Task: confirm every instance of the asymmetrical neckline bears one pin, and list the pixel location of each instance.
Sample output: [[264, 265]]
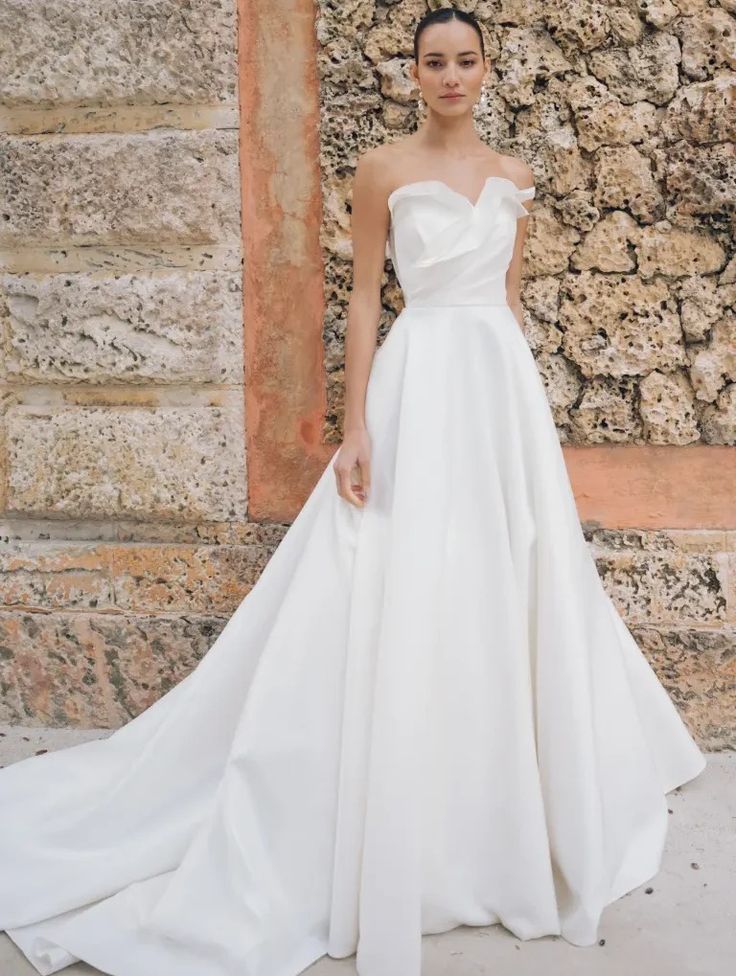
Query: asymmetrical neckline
[[446, 186]]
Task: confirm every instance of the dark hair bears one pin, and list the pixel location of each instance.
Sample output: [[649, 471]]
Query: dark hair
[[441, 16]]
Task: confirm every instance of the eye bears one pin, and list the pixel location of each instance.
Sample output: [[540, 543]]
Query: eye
[[432, 62]]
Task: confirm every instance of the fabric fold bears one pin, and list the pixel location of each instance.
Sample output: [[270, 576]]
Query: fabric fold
[[426, 712]]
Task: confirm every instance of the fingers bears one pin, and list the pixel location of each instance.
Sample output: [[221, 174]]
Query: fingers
[[365, 475], [352, 492], [354, 485], [344, 488]]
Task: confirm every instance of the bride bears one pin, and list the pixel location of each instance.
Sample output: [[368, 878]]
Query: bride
[[427, 712]]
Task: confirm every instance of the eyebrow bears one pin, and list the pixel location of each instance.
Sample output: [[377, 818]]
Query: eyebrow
[[440, 54]]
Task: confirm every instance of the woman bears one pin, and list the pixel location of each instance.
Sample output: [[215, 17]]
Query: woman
[[427, 712]]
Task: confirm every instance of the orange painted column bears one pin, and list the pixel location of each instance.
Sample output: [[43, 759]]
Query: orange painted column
[[616, 486], [285, 397]]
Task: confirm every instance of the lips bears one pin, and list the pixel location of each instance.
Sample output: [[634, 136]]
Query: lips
[[452, 96]]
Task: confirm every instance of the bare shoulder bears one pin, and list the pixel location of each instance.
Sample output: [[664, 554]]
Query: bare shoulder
[[517, 171], [373, 171], [386, 166], [369, 161]]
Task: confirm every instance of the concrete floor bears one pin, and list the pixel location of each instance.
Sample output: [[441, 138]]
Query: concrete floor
[[685, 927]]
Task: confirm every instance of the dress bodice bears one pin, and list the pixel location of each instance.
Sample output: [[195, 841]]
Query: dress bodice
[[447, 250]]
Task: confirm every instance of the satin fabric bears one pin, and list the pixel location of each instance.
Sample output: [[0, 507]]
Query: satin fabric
[[427, 712]]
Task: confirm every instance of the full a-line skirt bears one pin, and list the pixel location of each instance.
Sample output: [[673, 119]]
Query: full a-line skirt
[[427, 712]]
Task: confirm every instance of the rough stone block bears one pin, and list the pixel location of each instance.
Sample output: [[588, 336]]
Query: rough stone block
[[94, 670], [602, 120], [525, 57], [698, 671], [178, 463], [702, 303], [561, 382], [703, 113], [173, 327], [549, 243], [646, 71], [719, 419], [659, 584], [666, 250], [606, 412], [624, 180], [618, 325], [155, 187], [708, 42], [608, 246], [56, 51], [701, 180], [667, 406], [185, 578], [55, 575], [714, 365]]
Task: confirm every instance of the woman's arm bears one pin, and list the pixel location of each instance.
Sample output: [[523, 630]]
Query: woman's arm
[[524, 178], [369, 228]]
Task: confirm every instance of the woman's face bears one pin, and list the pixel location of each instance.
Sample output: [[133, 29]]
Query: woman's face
[[450, 69]]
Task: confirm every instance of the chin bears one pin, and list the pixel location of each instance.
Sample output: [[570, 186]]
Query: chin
[[452, 103]]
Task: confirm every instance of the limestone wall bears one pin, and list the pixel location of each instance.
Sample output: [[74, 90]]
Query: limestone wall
[[124, 535], [626, 112]]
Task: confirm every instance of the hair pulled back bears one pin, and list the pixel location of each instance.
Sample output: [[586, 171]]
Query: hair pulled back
[[441, 16]]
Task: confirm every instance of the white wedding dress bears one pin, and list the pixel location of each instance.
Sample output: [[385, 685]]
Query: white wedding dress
[[427, 712]]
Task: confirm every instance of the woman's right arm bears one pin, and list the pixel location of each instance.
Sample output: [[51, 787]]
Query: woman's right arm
[[369, 230]]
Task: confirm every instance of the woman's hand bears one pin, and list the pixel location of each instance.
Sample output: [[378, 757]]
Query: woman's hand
[[354, 456]]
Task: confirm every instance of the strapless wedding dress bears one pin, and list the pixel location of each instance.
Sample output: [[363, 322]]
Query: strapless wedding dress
[[427, 712]]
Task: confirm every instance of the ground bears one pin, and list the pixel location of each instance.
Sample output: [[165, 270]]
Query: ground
[[686, 926]]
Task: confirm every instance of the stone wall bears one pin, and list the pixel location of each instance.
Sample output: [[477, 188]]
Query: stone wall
[[125, 539], [625, 111]]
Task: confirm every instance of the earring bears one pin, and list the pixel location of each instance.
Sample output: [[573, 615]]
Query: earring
[[420, 103]]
